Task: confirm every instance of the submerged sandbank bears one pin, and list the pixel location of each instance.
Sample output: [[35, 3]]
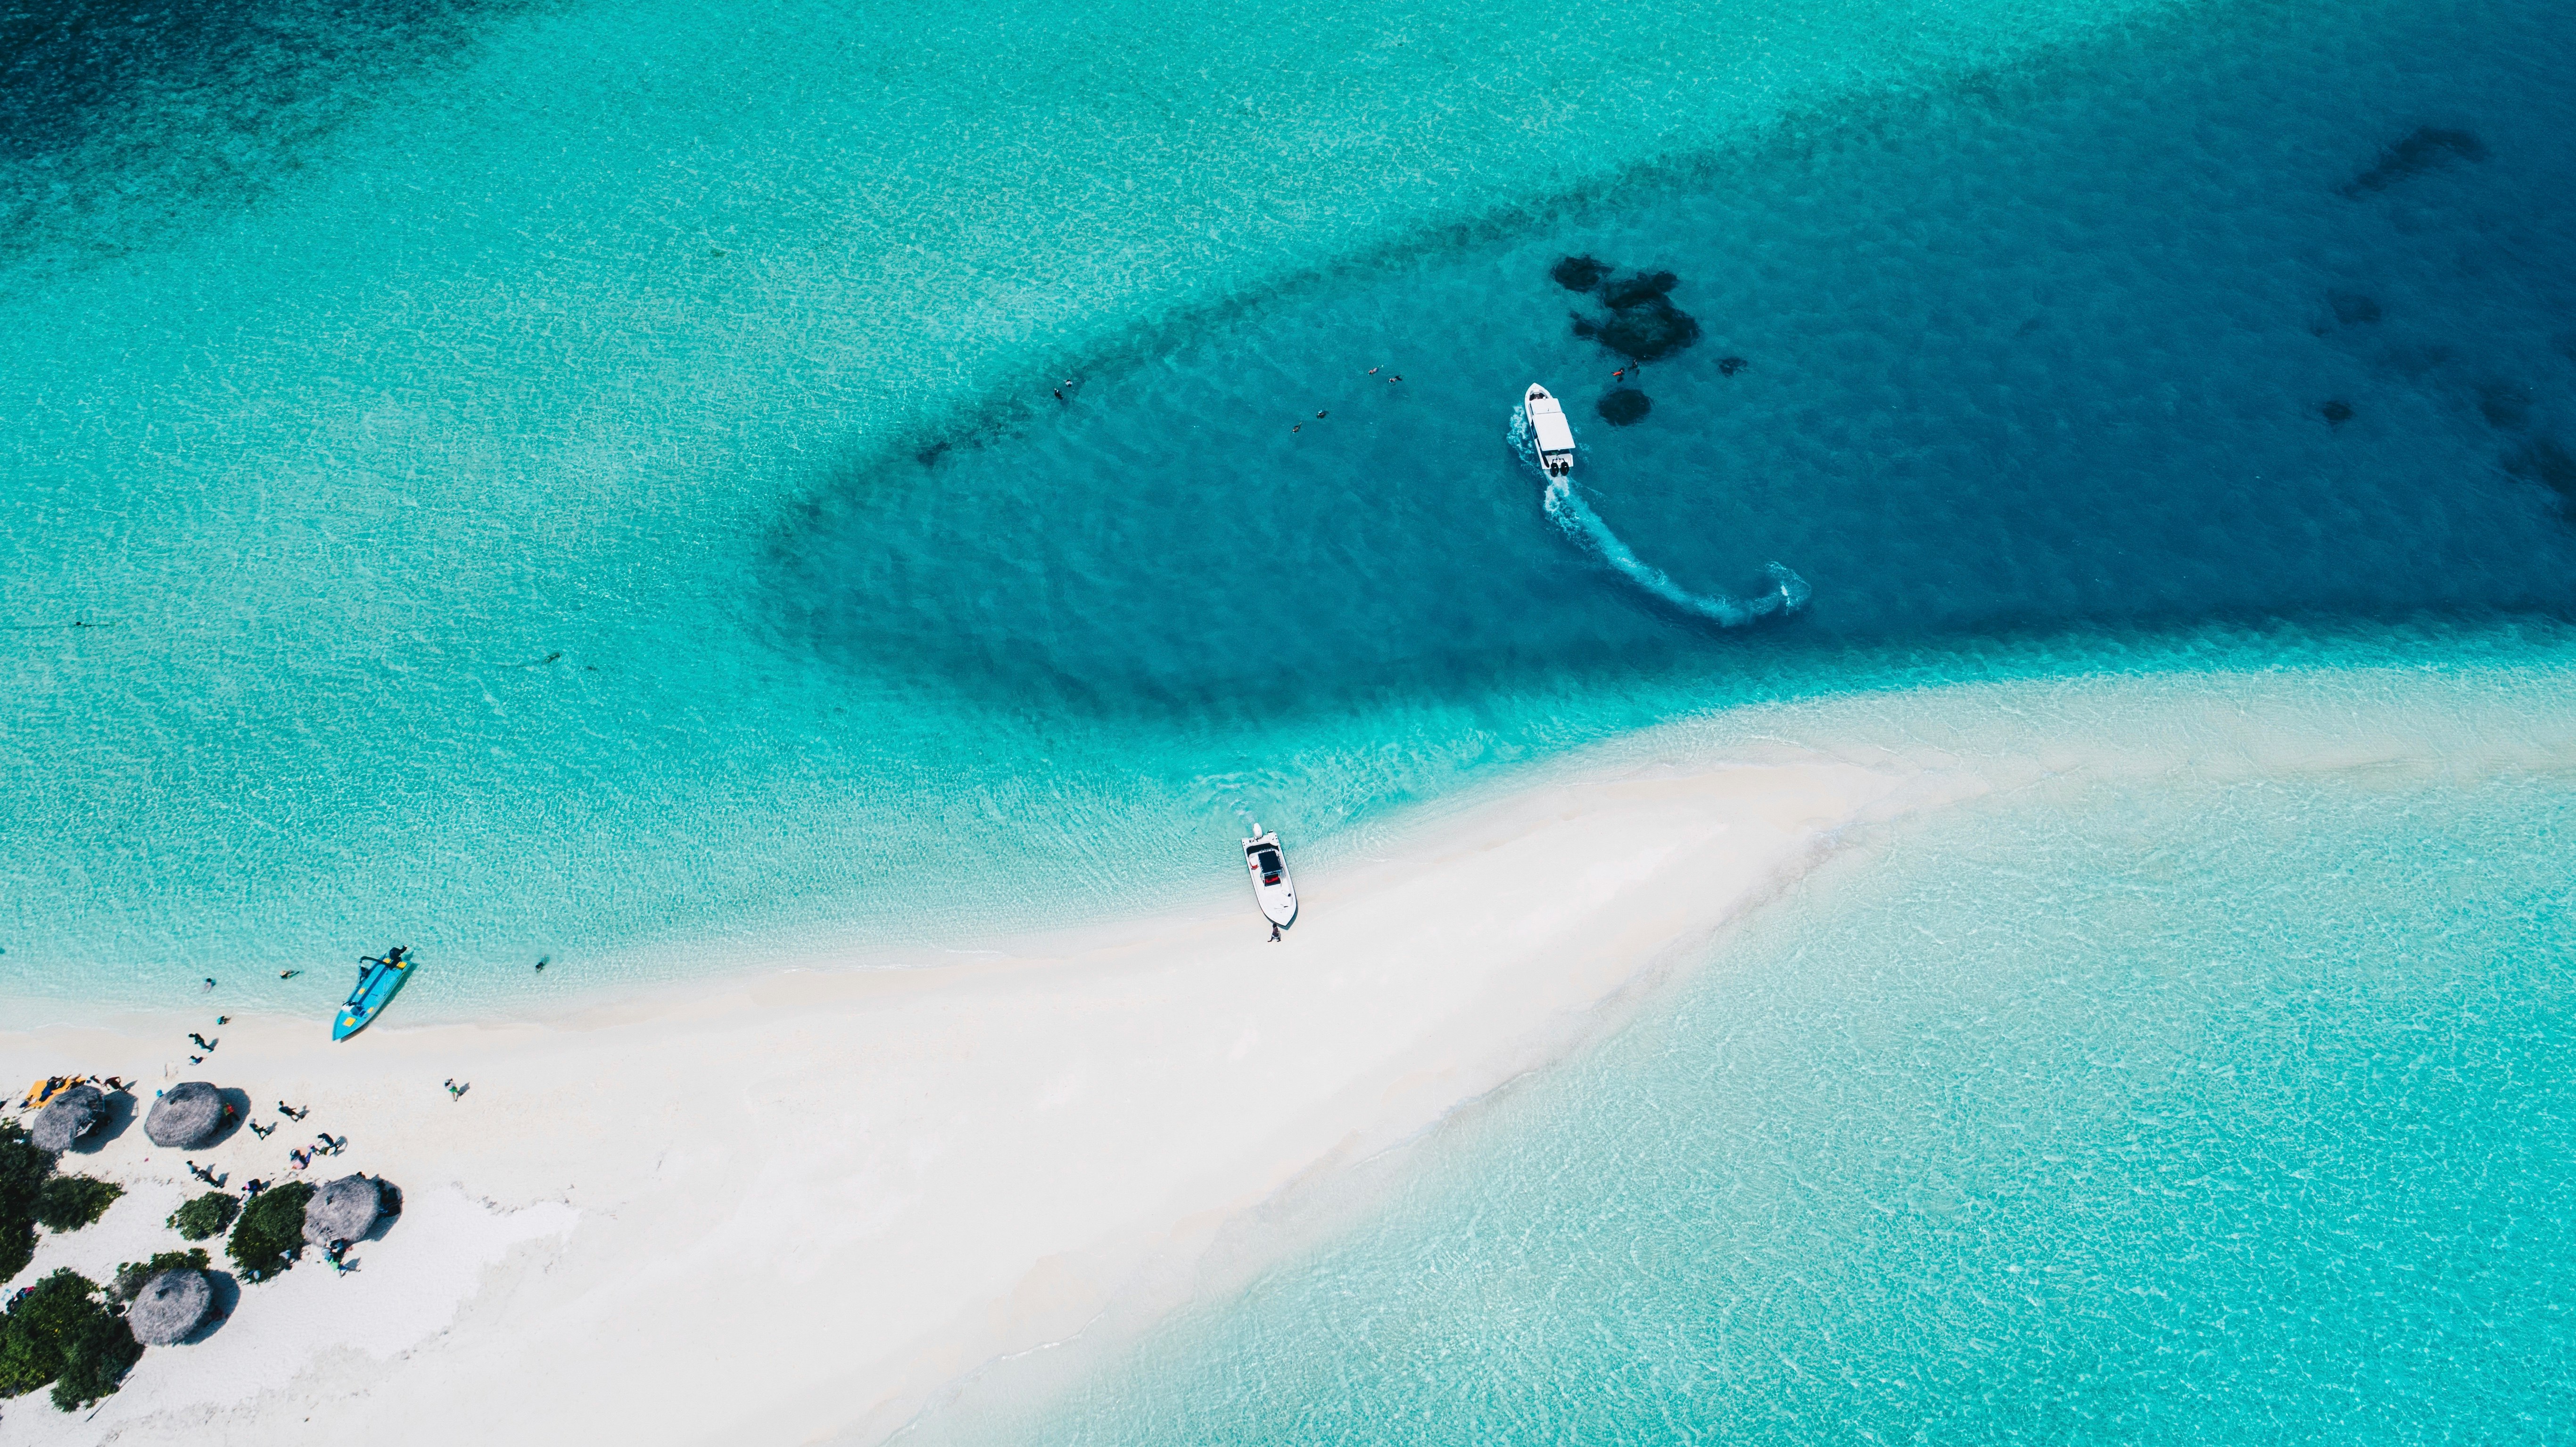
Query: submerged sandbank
[[795, 1205]]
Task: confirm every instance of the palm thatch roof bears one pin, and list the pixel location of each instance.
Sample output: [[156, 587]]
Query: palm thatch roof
[[186, 1116], [342, 1210], [68, 1117], [170, 1306]]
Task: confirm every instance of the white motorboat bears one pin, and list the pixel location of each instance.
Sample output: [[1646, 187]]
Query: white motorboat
[[1549, 432], [1271, 886]]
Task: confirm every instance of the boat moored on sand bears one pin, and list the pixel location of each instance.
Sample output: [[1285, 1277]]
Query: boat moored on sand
[[1271, 887], [377, 982]]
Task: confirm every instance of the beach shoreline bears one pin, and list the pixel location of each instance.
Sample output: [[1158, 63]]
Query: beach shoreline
[[872, 1183], [810, 1203]]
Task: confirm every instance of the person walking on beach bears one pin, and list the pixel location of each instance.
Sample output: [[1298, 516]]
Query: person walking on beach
[[290, 1112], [456, 1091], [1274, 932]]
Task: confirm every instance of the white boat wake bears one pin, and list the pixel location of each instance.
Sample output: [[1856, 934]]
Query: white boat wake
[[1788, 592]]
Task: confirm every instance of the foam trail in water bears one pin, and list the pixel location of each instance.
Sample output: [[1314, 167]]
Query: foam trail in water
[[1788, 593]]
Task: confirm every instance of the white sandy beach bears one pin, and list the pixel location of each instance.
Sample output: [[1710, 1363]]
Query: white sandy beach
[[796, 1206], [792, 1207]]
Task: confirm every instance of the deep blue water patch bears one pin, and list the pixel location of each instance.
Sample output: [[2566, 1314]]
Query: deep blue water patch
[[117, 118], [2269, 320]]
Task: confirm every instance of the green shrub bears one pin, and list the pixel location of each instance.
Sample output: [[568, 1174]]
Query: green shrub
[[205, 1216], [67, 1203], [270, 1232], [130, 1277], [61, 1332], [23, 1169]]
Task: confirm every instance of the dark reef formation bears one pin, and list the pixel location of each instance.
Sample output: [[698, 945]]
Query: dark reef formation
[[2337, 413], [2505, 405], [2543, 461], [1579, 273], [1624, 406], [1643, 325], [2422, 150]]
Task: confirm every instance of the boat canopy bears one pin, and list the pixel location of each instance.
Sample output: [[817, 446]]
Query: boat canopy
[[1547, 423]]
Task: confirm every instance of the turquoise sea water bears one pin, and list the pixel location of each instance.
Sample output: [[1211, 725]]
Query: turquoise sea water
[[558, 479], [2210, 1112], [546, 481]]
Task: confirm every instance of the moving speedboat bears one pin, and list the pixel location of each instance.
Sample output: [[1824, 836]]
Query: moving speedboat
[[1270, 883], [376, 986], [1549, 432]]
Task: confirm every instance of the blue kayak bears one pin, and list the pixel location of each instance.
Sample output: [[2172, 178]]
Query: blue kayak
[[376, 986]]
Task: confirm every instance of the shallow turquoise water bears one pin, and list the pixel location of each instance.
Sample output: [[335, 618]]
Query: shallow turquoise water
[[427, 422], [557, 511], [2195, 1112], [554, 479]]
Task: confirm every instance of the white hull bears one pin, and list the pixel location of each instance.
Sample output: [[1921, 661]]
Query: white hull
[[1271, 887], [1550, 433]]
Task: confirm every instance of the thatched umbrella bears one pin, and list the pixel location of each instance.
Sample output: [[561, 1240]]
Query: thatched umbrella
[[68, 1117], [343, 1210], [170, 1306], [186, 1116]]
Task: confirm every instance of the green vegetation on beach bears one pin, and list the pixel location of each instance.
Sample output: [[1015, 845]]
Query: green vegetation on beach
[[23, 1169], [32, 1195], [67, 1203], [64, 1333], [130, 1277], [271, 1231], [205, 1216]]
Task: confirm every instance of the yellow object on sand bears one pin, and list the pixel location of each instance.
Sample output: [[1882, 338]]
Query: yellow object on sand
[[52, 1085]]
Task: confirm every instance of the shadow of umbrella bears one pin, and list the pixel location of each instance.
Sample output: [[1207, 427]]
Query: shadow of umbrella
[[116, 1113], [237, 1114], [391, 1210], [227, 1296]]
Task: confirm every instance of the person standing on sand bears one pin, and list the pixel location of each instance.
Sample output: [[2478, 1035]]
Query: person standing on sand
[[1274, 932]]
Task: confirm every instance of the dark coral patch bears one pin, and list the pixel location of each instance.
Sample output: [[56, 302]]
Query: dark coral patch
[[2337, 413], [2421, 151], [1579, 273], [1638, 290], [2505, 405], [1643, 325], [1729, 366], [2543, 461], [1649, 332], [1624, 406]]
